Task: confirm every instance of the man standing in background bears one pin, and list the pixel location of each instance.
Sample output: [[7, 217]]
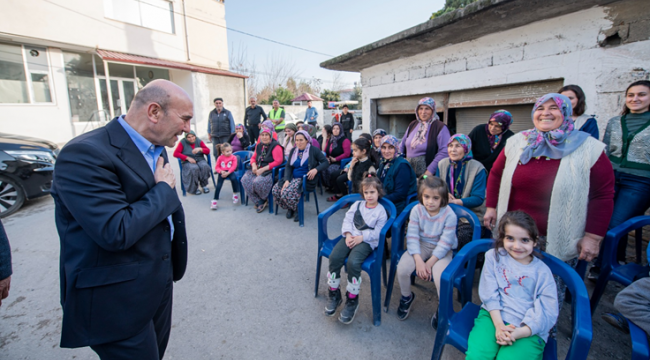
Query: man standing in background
[[220, 125], [277, 117], [347, 120], [252, 119], [311, 115]]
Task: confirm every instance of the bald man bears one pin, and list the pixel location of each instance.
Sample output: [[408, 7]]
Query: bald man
[[122, 228]]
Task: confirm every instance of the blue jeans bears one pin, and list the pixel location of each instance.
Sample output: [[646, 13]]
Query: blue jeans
[[631, 198], [233, 180]]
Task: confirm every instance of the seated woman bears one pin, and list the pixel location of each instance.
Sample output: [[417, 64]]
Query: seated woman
[[289, 143], [377, 135], [337, 149], [240, 139], [425, 140], [258, 181], [466, 179], [363, 162], [196, 170], [311, 130], [324, 137], [304, 159], [488, 140], [396, 173]]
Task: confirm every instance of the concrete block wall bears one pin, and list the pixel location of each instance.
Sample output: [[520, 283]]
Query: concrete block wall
[[565, 47]]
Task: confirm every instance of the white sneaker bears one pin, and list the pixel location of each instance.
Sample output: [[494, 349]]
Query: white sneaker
[[235, 199], [213, 205]]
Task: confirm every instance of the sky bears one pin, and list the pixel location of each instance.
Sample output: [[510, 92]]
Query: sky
[[333, 28]]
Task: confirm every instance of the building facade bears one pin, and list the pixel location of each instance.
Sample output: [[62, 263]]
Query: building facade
[[503, 54], [67, 67]]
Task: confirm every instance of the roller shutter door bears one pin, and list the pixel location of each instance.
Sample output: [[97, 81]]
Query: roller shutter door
[[468, 118], [406, 104], [514, 94]]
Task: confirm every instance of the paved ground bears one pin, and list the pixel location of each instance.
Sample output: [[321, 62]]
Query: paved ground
[[247, 294]]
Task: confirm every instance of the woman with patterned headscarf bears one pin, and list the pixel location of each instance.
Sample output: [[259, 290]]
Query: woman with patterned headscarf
[[377, 135], [268, 124], [561, 177], [466, 179], [395, 173], [338, 148], [258, 181], [489, 139], [425, 140], [239, 140], [311, 130]]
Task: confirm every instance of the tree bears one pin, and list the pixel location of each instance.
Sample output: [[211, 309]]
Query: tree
[[281, 94], [357, 96], [451, 5], [329, 95]]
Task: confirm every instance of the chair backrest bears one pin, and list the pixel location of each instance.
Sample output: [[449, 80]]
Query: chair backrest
[[242, 156], [397, 231], [345, 162], [614, 235], [412, 197], [467, 214], [582, 327]]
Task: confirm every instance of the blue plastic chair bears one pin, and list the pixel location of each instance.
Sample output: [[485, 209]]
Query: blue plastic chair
[[640, 346], [274, 178], [373, 264], [243, 158], [610, 269], [454, 327], [412, 197], [301, 202], [180, 166], [463, 283]]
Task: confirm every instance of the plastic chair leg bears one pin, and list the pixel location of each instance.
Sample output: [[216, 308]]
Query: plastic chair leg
[[383, 271], [441, 339], [301, 211], [317, 279], [601, 284], [391, 282], [316, 201], [270, 199], [375, 289]]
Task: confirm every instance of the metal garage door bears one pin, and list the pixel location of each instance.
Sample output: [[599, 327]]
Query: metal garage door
[[514, 94], [468, 118], [406, 104]]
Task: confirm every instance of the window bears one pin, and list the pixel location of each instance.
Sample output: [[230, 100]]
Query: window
[[152, 14], [81, 86], [24, 75]]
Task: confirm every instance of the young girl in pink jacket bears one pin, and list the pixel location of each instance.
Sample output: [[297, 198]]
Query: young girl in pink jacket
[[226, 166]]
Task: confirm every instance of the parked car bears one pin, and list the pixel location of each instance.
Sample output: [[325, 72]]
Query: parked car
[[26, 166]]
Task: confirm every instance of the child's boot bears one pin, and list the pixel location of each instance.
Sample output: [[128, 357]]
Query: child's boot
[[352, 302], [405, 307], [333, 294]]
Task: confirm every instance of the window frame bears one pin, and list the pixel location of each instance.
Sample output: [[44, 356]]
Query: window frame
[[172, 17], [28, 78]]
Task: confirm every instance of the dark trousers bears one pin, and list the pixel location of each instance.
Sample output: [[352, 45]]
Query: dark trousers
[[631, 198], [341, 184], [254, 132], [148, 344], [233, 180], [356, 256], [218, 140]]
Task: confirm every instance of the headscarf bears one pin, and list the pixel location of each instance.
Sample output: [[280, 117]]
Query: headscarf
[[269, 124], [386, 163], [241, 126], [190, 133], [554, 144], [503, 118], [335, 139], [423, 125], [305, 153], [309, 129], [456, 176], [290, 140], [381, 132]]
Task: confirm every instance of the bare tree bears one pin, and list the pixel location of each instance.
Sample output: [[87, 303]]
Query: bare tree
[[337, 82], [240, 62]]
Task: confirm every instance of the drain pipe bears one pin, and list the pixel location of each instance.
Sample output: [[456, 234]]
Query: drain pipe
[[187, 38]]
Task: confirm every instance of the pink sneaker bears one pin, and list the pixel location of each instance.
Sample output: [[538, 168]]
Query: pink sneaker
[[235, 199], [213, 205]]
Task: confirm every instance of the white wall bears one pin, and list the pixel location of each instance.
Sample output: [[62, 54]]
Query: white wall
[[45, 121], [82, 23], [206, 87], [563, 47]]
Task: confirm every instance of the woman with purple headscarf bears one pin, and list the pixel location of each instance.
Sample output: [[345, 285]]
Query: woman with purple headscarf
[[239, 140], [305, 162], [489, 139], [561, 177], [425, 142], [466, 179]]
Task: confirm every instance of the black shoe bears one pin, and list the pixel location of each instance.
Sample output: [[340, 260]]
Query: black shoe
[[333, 301], [618, 321], [593, 273], [296, 218], [350, 309], [289, 214], [434, 321], [405, 307]]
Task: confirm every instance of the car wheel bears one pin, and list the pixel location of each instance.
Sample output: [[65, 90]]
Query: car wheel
[[12, 196]]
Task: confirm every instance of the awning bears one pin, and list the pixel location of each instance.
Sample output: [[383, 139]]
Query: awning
[[144, 60]]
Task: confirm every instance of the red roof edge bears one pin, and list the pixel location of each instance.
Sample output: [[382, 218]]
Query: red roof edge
[[145, 60], [307, 97]]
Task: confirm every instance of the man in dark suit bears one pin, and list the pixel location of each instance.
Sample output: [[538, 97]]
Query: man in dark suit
[[5, 264], [122, 228]]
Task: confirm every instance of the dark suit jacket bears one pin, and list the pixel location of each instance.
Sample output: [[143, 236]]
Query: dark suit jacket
[[116, 253], [5, 254]]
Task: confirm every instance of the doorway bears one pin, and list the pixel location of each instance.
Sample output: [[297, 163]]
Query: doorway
[[122, 93]]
